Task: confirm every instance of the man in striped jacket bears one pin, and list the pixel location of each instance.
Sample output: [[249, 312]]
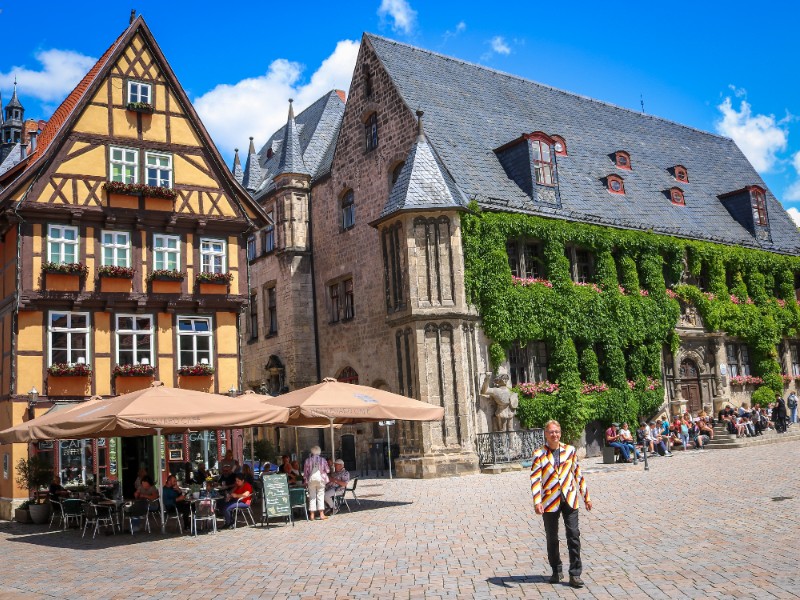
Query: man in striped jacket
[[556, 481]]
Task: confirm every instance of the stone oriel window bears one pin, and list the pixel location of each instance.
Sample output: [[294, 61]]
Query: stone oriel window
[[371, 132], [622, 159], [393, 266], [434, 265]]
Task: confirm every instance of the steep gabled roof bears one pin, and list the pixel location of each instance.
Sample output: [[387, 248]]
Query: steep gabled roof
[[67, 113], [291, 157], [471, 110]]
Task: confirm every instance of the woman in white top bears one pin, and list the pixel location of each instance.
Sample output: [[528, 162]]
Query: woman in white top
[[315, 472]]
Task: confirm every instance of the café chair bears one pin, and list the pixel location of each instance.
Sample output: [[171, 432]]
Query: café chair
[[99, 516], [72, 511], [246, 512], [138, 510], [204, 512], [341, 498], [57, 511]]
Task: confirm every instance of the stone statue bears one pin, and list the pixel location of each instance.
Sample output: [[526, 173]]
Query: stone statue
[[505, 400]]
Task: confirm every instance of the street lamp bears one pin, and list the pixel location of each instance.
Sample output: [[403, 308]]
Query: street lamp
[[33, 397], [232, 392]]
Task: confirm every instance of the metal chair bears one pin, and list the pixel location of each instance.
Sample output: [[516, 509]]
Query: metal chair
[[154, 510], [172, 513], [57, 512], [97, 515], [204, 510], [341, 498], [246, 512], [138, 510], [297, 499], [72, 509]]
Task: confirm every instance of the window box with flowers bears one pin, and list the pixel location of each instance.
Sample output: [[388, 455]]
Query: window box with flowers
[[63, 277], [53, 268], [214, 283], [115, 279], [134, 370], [742, 380], [115, 272], [69, 370], [166, 281], [139, 189], [141, 107], [201, 370]]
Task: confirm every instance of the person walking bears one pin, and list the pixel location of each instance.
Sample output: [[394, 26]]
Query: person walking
[[556, 481]]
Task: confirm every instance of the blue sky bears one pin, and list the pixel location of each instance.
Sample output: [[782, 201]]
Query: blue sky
[[720, 68]]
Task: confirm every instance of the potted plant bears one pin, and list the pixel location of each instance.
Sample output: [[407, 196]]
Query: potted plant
[[32, 474], [215, 278], [166, 275], [196, 370], [114, 271]]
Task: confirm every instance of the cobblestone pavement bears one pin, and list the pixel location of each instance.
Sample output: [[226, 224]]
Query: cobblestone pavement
[[699, 525]]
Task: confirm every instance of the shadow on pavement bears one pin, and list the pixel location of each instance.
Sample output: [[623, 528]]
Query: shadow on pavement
[[514, 580]]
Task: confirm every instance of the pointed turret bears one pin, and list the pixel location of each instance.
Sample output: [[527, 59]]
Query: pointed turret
[[237, 167], [291, 158], [14, 102], [252, 170], [424, 182]]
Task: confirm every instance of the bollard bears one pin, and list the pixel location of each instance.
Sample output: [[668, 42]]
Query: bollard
[[644, 454]]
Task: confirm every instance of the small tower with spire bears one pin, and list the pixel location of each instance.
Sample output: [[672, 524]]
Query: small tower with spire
[[237, 167], [252, 176], [11, 129]]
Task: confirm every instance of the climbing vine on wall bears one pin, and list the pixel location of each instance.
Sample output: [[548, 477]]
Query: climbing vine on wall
[[613, 330]]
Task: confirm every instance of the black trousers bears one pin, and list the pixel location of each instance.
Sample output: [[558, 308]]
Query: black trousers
[[570, 516]]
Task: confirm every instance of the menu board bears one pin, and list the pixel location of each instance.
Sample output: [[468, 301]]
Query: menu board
[[276, 496]]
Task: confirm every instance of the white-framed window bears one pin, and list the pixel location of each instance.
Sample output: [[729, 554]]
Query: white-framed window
[[195, 337], [68, 337], [158, 169], [212, 256], [166, 252], [124, 165], [116, 248], [62, 244], [135, 339], [139, 92]]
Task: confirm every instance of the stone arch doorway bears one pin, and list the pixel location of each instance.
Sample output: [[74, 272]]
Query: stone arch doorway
[[690, 386]]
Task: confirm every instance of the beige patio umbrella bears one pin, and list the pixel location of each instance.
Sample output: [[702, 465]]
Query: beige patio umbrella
[[340, 403]]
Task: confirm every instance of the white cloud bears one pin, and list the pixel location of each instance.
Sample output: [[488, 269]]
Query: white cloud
[[795, 214], [461, 27], [760, 137], [258, 106], [60, 72], [499, 45], [403, 16], [792, 193]]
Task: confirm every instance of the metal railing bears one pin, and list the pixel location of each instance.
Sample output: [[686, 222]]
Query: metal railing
[[508, 446]]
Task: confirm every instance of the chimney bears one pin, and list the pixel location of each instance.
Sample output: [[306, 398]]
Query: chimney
[[32, 135]]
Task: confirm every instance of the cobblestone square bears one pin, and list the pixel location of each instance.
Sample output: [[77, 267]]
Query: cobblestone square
[[712, 524]]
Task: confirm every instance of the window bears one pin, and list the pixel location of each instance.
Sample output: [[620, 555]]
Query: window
[[581, 264], [124, 165], [393, 259], [559, 145], [528, 363], [333, 294], [349, 304], [251, 247], [681, 174], [616, 185], [348, 210], [759, 207], [68, 337], [269, 234], [166, 252], [194, 341], [676, 196], [622, 159], [371, 132], [159, 169], [139, 92], [542, 162], [525, 259], [116, 248], [348, 375], [396, 172], [794, 349], [272, 311], [62, 244], [212, 256], [253, 317], [738, 359], [135, 340]]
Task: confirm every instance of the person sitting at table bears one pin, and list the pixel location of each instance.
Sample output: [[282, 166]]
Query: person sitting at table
[[298, 473], [147, 491], [240, 497], [56, 491], [229, 461], [338, 481], [175, 499], [247, 473], [137, 484], [227, 479]]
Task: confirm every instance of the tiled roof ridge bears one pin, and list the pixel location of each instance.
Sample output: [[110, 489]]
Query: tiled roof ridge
[[545, 86]]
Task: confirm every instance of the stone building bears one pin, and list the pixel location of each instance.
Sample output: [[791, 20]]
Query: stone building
[[374, 232], [17, 135]]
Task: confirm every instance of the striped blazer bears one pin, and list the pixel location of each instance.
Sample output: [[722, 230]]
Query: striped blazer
[[548, 484]]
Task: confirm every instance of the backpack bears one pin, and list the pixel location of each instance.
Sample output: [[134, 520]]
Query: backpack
[[792, 401]]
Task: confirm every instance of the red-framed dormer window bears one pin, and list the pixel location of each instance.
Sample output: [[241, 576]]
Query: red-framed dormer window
[[542, 152], [676, 196], [622, 159], [616, 185], [759, 206], [681, 174], [559, 145]]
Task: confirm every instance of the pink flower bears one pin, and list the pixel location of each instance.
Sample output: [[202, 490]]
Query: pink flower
[[644, 293], [735, 300], [621, 289], [526, 281], [671, 293], [781, 303]]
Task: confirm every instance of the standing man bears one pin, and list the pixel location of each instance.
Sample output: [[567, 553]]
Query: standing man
[[791, 403], [556, 480]]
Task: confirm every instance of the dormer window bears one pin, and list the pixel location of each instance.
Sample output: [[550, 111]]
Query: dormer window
[[622, 159], [676, 196], [270, 153], [542, 159], [559, 145], [616, 185], [680, 173], [759, 206]]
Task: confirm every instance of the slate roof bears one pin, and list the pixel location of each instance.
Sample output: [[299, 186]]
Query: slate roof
[[238, 174], [471, 110], [424, 183], [12, 158], [252, 170], [291, 159], [317, 131]]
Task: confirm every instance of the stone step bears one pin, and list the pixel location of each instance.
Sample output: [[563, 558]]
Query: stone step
[[725, 440]]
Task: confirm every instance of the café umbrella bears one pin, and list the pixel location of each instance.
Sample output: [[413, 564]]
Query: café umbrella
[[157, 410], [335, 402]]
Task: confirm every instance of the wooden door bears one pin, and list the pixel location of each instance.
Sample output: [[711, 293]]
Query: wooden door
[[691, 395]]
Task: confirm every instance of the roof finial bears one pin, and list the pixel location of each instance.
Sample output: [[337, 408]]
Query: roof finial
[[420, 131], [291, 108], [133, 16]]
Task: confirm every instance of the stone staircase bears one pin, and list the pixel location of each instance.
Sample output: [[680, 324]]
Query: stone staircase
[[722, 439]]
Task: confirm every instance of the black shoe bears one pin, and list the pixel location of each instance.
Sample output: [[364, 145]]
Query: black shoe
[[556, 577], [575, 581]]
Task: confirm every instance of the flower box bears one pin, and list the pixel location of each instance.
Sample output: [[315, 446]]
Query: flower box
[[141, 107], [139, 189], [52, 268], [69, 370], [134, 371], [166, 275], [117, 272], [215, 278], [745, 380], [196, 370]]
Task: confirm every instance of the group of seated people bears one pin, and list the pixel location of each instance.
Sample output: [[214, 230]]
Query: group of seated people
[[660, 436], [746, 422]]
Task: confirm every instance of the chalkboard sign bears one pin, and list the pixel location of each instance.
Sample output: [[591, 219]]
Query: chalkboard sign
[[276, 496]]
